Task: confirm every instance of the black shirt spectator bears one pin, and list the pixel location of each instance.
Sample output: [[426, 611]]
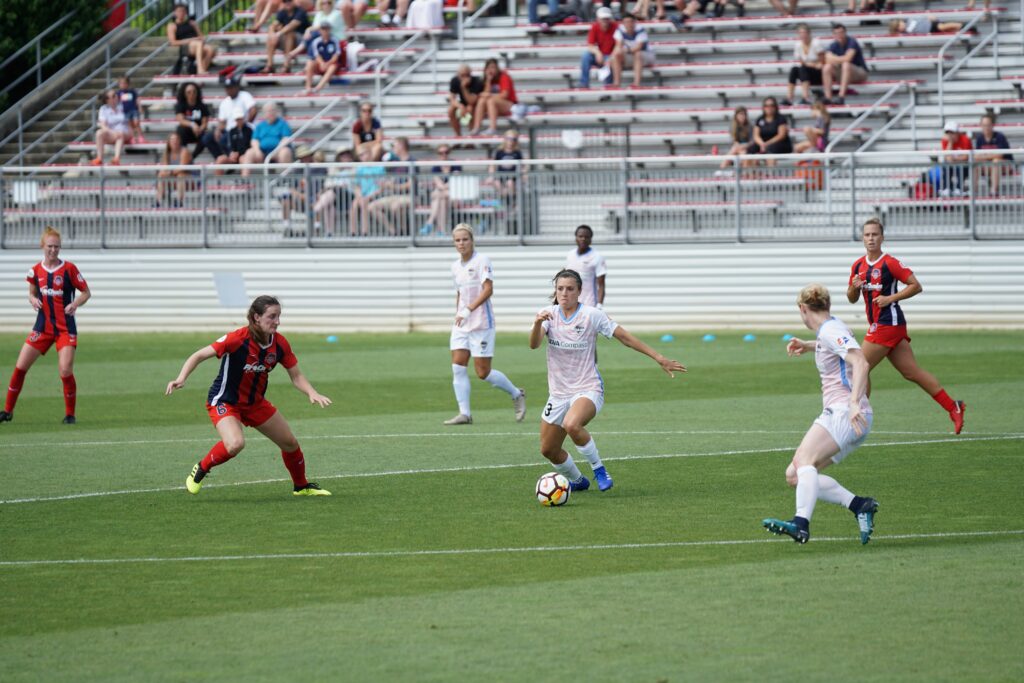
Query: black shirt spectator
[[769, 125], [284, 17], [364, 135], [476, 86], [997, 141], [503, 155], [839, 49]]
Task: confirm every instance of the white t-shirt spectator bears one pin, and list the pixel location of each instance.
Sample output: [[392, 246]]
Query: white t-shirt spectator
[[333, 18], [226, 111], [812, 55], [113, 119], [638, 38]]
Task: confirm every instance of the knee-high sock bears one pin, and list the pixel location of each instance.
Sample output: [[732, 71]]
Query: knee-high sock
[[943, 399], [218, 455], [831, 491], [806, 491], [568, 469], [296, 465], [589, 451], [70, 389], [14, 389], [460, 381], [498, 379]]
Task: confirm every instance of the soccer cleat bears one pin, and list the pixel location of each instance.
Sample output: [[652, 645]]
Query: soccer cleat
[[604, 480], [6, 416], [194, 482], [310, 489], [957, 416], [581, 484], [866, 519], [68, 420], [519, 404], [791, 529], [460, 419]]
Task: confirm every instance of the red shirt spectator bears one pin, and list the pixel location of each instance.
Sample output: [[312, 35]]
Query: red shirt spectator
[[602, 34], [961, 142], [505, 85]]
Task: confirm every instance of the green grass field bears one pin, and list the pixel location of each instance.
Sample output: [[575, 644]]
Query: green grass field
[[433, 562]]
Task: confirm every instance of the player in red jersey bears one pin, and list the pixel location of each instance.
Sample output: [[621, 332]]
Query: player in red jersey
[[51, 291], [247, 356], [877, 275]]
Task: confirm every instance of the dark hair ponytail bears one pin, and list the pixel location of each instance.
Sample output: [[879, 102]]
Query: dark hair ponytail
[[257, 308], [569, 273]]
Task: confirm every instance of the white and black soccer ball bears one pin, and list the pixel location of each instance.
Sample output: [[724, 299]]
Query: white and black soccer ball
[[553, 490]]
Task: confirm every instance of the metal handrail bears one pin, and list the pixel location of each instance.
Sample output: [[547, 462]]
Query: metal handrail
[[957, 37], [865, 114], [470, 20], [37, 42], [379, 67]]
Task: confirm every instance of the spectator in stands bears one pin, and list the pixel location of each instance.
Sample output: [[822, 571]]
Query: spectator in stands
[[394, 204], [174, 154], [269, 138], [920, 26], [631, 43], [742, 135], [366, 190], [290, 23], [389, 17], [463, 92], [337, 194], [497, 98], [871, 6], [809, 54], [425, 14], [111, 128], [217, 140], [192, 115], [709, 8], [236, 143], [785, 10], [328, 58], [295, 198], [771, 132], [992, 166], [505, 173], [600, 45], [367, 133], [327, 11], [817, 132], [955, 170], [129, 99], [440, 200], [352, 11], [845, 61], [531, 10], [183, 33]]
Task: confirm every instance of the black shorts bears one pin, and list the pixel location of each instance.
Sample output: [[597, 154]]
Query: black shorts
[[805, 74], [188, 135], [784, 146]]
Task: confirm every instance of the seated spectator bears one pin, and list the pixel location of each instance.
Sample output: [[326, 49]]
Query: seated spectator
[[366, 190], [709, 8], [237, 142], [425, 14], [192, 115], [183, 33], [295, 197], [497, 98], [809, 54], [290, 23], [503, 175], [785, 10], [327, 11], [631, 43], [817, 132], [396, 200], [463, 91], [600, 45], [845, 61], [337, 193], [352, 11], [174, 154], [742, 135], [531, 10], [771, 132], [367, 133], [992, 166], [216, 140], [269, 138], [871, 6], [954, 168], [129, 98], [389, 17], [262, 11], [328, 58], [111, 128], [440, 202], [917, 26]]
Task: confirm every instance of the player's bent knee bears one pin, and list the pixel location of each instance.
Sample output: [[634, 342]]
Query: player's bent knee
[[234, 446]]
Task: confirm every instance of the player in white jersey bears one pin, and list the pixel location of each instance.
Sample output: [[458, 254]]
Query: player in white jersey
[[843, 425], [473, 331], [585, 260], [576, 391]]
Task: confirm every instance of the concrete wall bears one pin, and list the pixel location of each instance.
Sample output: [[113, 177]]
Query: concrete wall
[[967, 284]]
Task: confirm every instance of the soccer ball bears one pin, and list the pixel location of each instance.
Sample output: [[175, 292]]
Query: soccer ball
[[553, 489]]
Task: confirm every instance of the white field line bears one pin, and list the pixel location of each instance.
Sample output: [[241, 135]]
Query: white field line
[[502, 466], [354, 554]]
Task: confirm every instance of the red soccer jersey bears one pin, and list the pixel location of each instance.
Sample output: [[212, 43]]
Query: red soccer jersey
[[880, 278], [605, 40], [56, 290], [245, 366]]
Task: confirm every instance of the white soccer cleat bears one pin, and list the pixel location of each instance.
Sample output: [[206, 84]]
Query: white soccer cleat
[[460, 419], [519, 404]]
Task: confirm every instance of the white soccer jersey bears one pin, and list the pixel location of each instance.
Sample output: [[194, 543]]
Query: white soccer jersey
[[469, 282], [834, 340], [590, 266], [572, 350]]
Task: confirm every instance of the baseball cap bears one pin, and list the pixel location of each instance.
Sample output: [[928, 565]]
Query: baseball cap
[[951, 127], [304, 151], [604, 13]]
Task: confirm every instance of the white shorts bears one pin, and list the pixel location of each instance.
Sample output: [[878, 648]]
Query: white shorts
[[480, 344], [836, 422], [556, 408]]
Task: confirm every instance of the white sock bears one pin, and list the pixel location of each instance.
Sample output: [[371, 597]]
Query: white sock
[[460, 380], [806, 491], [831, 491], [589, 451], [568, 469], [498, 379]]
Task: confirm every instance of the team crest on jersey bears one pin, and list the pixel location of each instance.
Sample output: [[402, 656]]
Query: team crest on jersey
[[34, 336], [580, 329], [483, 344], [58, 281], [876, 273], [842, 341], [271, 358], [874, 326]]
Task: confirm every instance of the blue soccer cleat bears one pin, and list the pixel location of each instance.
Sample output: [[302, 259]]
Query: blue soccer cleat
[[791, 529], [604, 480], [866, 519], [581, 484]]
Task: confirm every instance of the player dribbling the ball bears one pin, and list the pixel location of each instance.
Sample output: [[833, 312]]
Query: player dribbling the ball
[[236, 397], [574, 383], [843, 425]]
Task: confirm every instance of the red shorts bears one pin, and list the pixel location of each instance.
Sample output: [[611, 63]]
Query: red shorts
[[42, 341], [886, 335], [250, 416]]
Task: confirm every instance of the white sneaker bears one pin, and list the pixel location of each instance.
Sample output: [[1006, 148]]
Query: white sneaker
[[460, 419], [519, 404], [385, 19]]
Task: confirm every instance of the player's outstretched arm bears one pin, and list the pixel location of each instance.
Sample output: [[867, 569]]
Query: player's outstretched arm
[[797, 347], [205, 353], [537, 331], [300, 382], [669, 366]]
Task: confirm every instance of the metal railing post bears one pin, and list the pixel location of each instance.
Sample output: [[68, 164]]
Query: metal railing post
[[3, 194], [204, 220], [309, 199], [853, 194], [520, 194], [739, 200], [913, 115], [624, 168], [828, 190], [103, 207], [972, 215], [21, 136], [39, 63]]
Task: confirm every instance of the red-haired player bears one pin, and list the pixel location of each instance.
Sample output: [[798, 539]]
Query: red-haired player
[[51, 291], [877, 275], [247, 356]]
